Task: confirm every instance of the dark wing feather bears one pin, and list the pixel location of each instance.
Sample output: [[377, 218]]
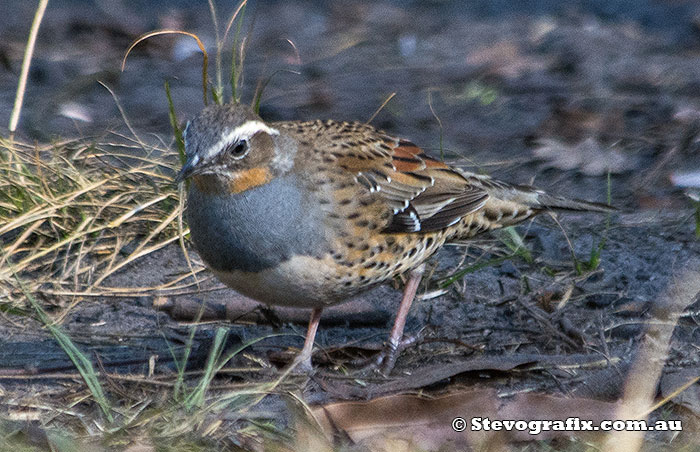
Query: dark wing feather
[[424, 194]]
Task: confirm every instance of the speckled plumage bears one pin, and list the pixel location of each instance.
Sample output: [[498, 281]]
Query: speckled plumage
[[312, 213]]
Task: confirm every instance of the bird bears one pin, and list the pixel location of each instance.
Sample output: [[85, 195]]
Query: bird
[[309, 214]]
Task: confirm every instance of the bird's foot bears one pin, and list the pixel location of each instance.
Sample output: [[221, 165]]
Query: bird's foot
[[385, 361], [300, 365]]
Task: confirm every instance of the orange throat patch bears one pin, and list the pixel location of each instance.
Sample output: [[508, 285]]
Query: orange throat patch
[[250, 178], [242, 181]]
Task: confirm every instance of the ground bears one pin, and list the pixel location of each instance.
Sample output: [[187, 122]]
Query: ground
[[581, 101]]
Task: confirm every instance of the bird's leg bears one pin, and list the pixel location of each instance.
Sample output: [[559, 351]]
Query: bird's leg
[[387, 358], [303, 359]]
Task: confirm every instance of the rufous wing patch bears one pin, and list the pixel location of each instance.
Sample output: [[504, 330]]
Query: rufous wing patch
[[409, 157]]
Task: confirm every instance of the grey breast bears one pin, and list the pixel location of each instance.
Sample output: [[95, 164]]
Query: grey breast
[[256, 229]]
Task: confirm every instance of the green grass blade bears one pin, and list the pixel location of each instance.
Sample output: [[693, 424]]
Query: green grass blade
[[215, 363], [182, 364], [472, 268], [216, 95], [236, 65], [81, 362], [515, 243], [597, 250], [196, 398], [177, 131]]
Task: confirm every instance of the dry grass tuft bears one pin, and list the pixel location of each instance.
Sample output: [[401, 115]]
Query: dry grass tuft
[[74, 212]]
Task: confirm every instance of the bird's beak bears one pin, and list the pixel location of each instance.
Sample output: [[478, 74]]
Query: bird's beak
[[188, 169]]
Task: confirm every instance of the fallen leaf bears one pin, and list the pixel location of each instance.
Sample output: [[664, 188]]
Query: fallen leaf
[[416, 421], [506, 59], [588, 157], [689, 179], [421, 423], [74, 110]]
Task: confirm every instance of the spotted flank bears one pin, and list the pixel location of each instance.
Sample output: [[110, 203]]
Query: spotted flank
[[401, 204]]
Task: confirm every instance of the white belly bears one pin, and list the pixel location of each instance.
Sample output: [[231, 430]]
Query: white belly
[[302, 282]]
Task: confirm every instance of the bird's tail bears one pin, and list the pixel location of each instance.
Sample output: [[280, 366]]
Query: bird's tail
[[525, 196], [508, 205], [545, 201], [511, 204]]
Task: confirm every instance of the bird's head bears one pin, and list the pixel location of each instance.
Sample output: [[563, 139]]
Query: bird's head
[[230, 148]]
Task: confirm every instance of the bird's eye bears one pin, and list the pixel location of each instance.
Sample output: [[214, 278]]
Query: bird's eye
[[239, 149]]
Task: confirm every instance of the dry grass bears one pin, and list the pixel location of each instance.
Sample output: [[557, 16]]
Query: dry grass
[[72, 213]]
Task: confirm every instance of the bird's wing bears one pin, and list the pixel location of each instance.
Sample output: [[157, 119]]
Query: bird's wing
[[424, 194]]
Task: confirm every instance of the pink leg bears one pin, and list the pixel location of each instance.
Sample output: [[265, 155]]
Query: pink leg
[[388, 358], [303, 360]]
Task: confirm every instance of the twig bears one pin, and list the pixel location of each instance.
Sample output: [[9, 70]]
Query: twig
[[381, 107]]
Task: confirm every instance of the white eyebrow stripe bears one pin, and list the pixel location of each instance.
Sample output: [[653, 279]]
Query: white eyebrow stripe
[[245, 131], [250, 128]]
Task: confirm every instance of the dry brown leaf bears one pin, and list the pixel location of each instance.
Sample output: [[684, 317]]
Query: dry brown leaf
[[421, 423], [588, 157], [506, 59], [686, 179], [416, 421], [687, 115]]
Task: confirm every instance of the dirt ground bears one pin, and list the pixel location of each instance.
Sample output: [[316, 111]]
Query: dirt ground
[[550, 94]]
